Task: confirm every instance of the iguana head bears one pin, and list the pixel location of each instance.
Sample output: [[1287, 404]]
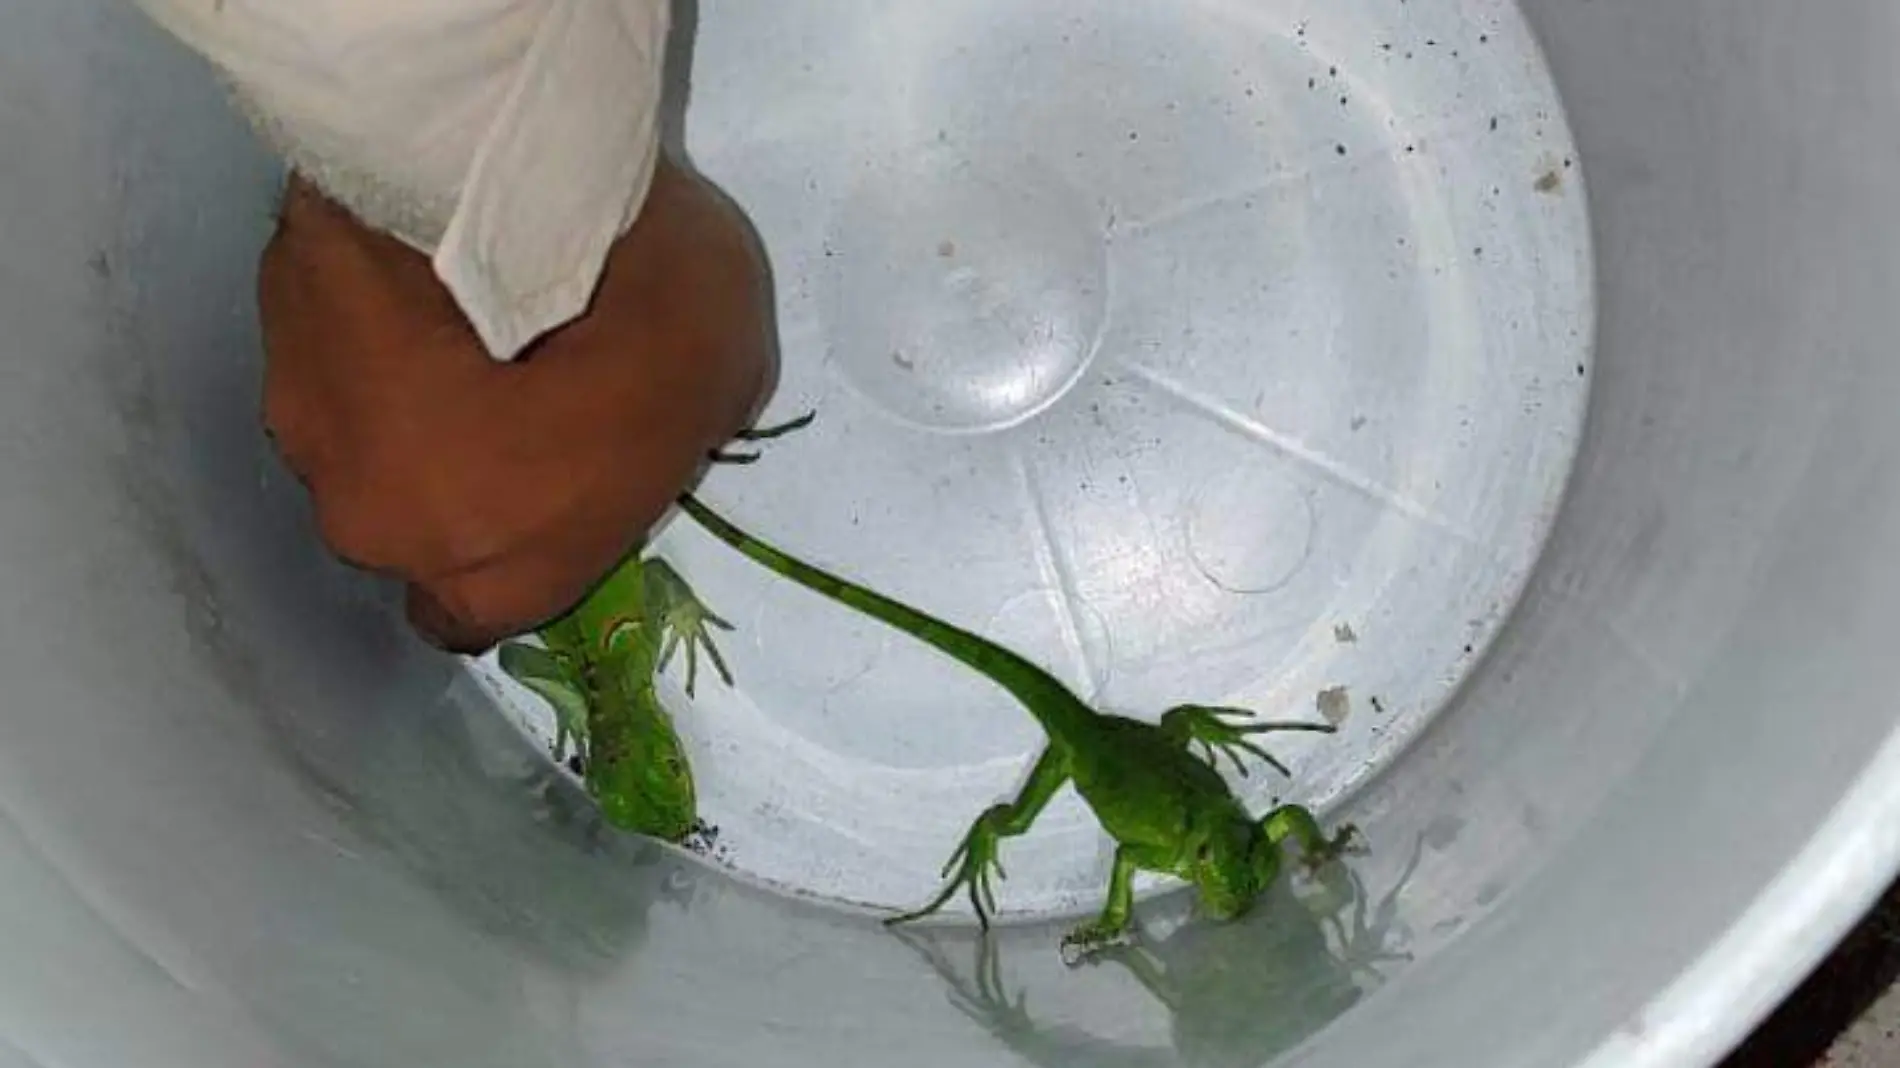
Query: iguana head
[[1234, 864], [646, 785]]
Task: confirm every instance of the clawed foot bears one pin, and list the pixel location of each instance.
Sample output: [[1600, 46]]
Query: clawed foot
[[1317, 848], [1090, 940], [685, 622], [758, 435], [558, 683], [975, 862], [1227, 732], [1347, 841]]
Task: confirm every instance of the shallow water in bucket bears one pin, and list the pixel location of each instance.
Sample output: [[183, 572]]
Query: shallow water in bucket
[[1200, 354]]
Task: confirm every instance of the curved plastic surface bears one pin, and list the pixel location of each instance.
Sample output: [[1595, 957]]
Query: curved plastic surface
[[1222, 359], [245, 820]]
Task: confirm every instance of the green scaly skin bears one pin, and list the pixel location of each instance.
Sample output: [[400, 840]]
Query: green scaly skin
[[599, 670], [1165, 805]]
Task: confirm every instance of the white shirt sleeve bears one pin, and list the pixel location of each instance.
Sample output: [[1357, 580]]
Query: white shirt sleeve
[[512, 140]]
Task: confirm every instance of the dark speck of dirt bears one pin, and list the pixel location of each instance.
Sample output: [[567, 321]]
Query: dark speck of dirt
[[704, 841], [1340, 149], [1494, 123], [1378, 705], [1550, 182]]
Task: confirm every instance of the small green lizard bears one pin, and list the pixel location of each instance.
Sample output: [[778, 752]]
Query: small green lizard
[[1236, 997], [598, 670], [1165, 805]]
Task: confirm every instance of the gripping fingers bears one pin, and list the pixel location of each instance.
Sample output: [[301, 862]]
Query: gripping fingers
[[761, 434], [773, 433]]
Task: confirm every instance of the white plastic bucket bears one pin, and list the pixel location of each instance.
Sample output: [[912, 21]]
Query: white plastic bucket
[[245, 819]]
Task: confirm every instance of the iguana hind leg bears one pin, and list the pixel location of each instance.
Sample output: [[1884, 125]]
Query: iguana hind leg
[[558, 682], [976, 861]]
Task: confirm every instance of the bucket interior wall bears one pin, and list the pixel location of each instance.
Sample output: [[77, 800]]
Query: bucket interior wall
[[246, 819]]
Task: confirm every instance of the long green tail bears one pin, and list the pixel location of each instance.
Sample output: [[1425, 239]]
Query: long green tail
[[1061, 713]]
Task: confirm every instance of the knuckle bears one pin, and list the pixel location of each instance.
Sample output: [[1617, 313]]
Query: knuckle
[[349, 529], [444, 626]]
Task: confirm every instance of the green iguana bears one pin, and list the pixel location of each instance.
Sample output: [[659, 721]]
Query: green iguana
[[597, 666], [1236, 997], [1166, 806], [598, 669]]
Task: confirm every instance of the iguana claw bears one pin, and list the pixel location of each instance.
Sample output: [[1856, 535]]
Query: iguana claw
[[1087, 941]]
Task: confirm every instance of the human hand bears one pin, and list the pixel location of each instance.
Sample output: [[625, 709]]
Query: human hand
[[501, 493]]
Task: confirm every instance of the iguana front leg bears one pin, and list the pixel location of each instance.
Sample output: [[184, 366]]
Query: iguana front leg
[[557, 681], [683, 621], [1316, 847], [976, 858], [1226, 732], [1116, 917]]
